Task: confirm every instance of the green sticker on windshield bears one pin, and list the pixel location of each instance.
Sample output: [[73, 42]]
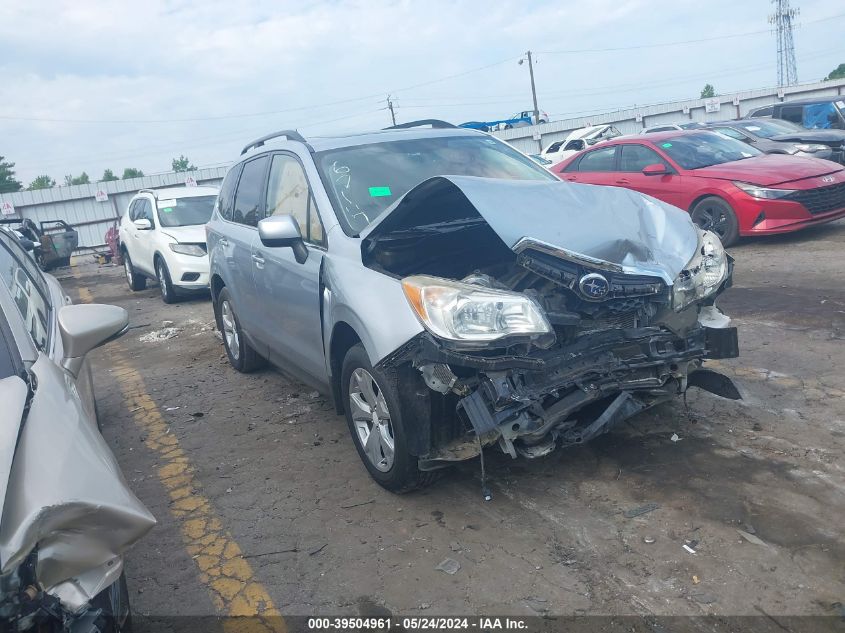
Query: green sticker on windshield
[[167, 209], [380, 192], [666, 145]]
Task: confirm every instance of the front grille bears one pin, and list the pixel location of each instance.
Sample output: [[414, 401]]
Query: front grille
[[821, 200], [620, 322]]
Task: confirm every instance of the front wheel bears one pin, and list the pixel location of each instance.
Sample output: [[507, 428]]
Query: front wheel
[[168, 292], [715, 215], [375, 421]]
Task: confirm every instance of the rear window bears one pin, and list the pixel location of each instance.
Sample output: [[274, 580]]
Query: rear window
[[705, 149]]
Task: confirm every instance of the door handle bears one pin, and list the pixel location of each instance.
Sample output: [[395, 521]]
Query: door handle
[[572, 178], [259, 261], [623, 181], [223, 241]]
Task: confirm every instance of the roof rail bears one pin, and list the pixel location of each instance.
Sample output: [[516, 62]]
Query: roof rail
[[152, 192], [291, 135], [434, 123]]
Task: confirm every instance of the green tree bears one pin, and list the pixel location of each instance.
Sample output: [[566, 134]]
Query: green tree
[[182, 164], [42, 182], [838, 73], [131, 172], [108, 175], [708, 91], [8, 182], [81, 179]]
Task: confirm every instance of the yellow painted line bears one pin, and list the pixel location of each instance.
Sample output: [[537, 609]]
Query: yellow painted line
[[229, 577]]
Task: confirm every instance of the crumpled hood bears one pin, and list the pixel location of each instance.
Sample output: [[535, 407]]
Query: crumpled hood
[[623, 228], [193, 234]]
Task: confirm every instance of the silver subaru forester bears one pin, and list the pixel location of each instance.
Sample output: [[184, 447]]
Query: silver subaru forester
[[449, 294]]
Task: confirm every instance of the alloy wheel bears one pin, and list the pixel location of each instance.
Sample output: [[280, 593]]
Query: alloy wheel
[[127, 268], [230, 329], [371, 419], [711, 218]]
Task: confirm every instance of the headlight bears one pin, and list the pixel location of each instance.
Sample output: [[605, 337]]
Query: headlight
[[704, 273], [463, 312], [805, 147], [763, 193], [188, 249]]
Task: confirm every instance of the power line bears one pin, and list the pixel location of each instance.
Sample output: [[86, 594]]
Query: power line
[[677, 43]]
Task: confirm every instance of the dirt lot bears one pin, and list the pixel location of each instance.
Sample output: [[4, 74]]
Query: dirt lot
[[267, 468]]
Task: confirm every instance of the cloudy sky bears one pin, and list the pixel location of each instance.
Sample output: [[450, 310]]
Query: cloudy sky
[[90, 85]]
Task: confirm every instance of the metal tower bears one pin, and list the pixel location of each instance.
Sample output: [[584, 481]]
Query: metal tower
[[783, 18]]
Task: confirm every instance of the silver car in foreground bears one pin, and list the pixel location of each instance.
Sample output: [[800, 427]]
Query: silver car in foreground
[[67, 513], [450, 294]]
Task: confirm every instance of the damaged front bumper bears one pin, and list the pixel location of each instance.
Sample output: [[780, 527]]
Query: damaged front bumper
[[529, 404]]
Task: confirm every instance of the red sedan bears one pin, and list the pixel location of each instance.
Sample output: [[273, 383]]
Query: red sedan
[[726, 185]]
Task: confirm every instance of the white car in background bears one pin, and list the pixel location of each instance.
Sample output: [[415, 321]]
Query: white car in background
[[579, 140], [162, 237]]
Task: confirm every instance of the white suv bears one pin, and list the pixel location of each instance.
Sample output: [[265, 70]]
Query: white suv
[[162, 236]]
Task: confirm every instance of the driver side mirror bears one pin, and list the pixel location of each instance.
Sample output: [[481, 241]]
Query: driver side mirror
[[657, 169], [282, 231], [143, 224], [87, 326]]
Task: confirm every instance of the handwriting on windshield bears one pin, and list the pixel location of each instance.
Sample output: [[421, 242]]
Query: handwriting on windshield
[[343, 181]]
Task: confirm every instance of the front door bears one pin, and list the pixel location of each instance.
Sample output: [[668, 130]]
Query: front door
[[142, 251], [633, 158], [290, 290]]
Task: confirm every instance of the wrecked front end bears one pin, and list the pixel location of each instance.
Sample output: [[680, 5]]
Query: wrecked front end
[[552, 312], [68, 515]]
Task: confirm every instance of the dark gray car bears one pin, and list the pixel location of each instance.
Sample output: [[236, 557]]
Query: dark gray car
[[450, 294], [773, 136]]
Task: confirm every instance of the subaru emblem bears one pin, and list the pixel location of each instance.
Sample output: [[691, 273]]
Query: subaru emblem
[[594, 286], [828, 178]]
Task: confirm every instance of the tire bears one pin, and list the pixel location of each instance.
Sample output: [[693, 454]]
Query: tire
[[165, 285], [241, 354], [716, 215], [398, 472], [135, 280]]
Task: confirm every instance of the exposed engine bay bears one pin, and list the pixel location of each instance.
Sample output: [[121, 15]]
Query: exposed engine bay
[[599, 332]]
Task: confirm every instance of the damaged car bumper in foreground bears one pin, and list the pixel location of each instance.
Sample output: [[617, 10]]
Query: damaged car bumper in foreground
[[558, 339]]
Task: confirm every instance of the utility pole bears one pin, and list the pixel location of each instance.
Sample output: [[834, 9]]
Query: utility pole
[[533, 89], [390, 107]]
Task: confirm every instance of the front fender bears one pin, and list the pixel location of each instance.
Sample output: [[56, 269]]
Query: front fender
[[372, 303]]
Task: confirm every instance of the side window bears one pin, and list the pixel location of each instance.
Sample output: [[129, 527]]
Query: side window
[[132, 210], [28, 289], [145, 211], [247, 203], [288, 194], [793, 113], [224, 198], [598, 160], [635, 158], [554, 147], [577, 145], [762, 112]]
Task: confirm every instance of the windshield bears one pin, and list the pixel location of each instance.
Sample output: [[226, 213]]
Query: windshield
[[185, 211], [768, 129], [704, 149], [364, 180]]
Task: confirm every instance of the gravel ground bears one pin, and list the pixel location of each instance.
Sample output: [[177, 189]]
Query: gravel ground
[[757, 485]]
